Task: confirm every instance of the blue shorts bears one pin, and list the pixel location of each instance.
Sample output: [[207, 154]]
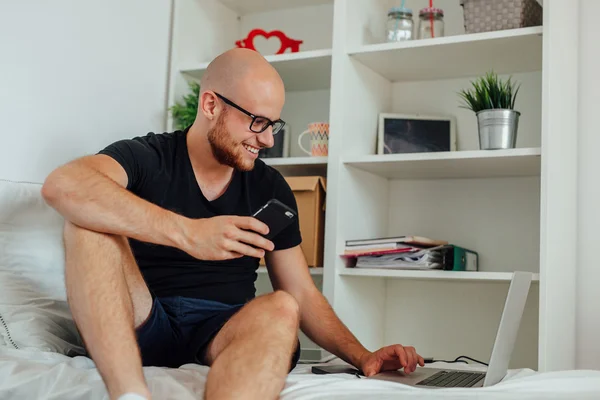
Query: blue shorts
[[179, 329]]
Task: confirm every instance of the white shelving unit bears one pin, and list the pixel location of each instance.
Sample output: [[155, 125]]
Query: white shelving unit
[[295, 161], [433, 275], [474, 53], [443, 165], [298, 166], [308, 70], [243, 7], [505, 204]]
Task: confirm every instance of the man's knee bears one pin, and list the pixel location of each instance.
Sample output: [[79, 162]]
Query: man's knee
[[282, 308]]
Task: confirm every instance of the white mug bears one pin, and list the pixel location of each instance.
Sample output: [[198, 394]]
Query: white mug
[[319, 139]]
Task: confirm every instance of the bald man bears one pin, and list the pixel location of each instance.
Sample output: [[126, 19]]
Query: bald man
[[161, 251]]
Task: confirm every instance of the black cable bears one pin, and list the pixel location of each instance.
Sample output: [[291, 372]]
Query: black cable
[[456, 360], [431, 360], [472, 359]]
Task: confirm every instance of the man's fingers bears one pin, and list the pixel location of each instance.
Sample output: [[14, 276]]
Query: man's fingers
[[369, 372], [251, 223], [255, 240], [396, 356], [410, 359], [401, 354], [233, 254], [244, 249], [418, 360]]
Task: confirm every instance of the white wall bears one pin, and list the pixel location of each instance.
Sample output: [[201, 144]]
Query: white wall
[[436, 208], [313, 25], [453, 14], [302, 108], [368, 19], [77, 75], [588, 274], [424, 315], [440, 97]]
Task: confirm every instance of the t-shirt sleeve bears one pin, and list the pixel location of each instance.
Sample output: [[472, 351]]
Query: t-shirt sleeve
[[137, 157], [290, 236]]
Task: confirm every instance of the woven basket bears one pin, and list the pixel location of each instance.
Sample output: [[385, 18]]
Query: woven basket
[[495, 15]]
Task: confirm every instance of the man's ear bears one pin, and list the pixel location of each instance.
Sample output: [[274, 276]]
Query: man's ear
[[208, 105]]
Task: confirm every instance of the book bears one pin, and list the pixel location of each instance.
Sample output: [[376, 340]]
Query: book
[[378, 246], [422, 259], [420, 240], [349, 252]]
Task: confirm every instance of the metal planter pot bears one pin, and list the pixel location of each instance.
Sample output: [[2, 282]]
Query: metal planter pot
[[498, 129]]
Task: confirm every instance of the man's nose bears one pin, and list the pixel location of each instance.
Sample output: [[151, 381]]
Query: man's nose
[[266, 138]]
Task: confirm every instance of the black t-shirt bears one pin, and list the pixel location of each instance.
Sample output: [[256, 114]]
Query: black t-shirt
[[160, 171]]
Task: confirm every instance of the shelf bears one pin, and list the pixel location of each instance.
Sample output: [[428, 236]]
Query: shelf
[[305, 70], [244, 7], [296, 161], [313, 271], [507, 51], [453, 164], [299, 165], [433, 275]]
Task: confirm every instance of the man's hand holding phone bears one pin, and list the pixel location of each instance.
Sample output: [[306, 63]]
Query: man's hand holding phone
[[225, 237]]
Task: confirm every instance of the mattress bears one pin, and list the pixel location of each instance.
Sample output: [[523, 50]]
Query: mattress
[[44, 375]]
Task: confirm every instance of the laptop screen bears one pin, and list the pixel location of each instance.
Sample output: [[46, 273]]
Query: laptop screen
[[508, 328]]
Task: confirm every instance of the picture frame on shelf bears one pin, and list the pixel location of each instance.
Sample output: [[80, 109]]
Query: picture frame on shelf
[[281, 147], [415, 133]]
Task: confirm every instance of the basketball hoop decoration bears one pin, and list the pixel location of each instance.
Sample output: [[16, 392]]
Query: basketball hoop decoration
[[286, 42]]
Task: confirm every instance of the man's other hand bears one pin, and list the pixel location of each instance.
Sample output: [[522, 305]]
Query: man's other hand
[[225, 237], [391, 358]]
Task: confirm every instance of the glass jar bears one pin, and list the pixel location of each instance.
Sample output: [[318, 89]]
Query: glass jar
[[431, 23], [399, 24]]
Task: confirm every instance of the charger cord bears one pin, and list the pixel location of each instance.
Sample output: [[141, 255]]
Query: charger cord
[[456, 360]]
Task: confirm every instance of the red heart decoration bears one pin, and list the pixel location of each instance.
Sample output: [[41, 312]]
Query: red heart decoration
[[286, 42]]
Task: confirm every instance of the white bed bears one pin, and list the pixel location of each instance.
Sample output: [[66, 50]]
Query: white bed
[[26, 374], [36, 330]]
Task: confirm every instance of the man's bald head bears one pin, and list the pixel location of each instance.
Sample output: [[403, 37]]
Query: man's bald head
[[242, 74], [246, 80]]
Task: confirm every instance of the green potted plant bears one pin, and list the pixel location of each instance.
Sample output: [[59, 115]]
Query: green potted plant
[[184, 113], [493, 101]]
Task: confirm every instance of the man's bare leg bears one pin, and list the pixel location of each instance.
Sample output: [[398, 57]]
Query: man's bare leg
[[108, 297], [250, 357]]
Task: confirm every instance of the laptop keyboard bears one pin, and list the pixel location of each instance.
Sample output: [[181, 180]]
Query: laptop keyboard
[[452, 379]]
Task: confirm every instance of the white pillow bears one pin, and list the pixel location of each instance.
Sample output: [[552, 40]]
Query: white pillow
[[32, 290], [34, 321]]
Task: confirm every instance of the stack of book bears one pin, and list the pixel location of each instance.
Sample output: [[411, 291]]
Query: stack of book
[[401, 252]]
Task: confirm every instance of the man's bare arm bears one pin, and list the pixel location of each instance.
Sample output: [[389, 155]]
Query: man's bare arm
[[90, 192]]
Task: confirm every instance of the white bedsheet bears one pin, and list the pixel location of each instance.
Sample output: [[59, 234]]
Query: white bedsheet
[[37, 375]]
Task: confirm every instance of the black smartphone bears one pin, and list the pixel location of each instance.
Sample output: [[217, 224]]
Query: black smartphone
[[276, 215], [335, 369]]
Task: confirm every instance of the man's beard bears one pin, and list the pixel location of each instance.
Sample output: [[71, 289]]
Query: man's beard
[[225, 149]]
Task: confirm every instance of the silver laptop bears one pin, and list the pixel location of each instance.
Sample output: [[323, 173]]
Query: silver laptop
[[501, 353]]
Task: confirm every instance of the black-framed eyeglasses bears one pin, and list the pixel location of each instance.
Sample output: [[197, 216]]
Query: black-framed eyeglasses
[[259, 124]]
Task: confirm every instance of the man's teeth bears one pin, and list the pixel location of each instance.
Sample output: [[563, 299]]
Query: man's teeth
[[251, 149]]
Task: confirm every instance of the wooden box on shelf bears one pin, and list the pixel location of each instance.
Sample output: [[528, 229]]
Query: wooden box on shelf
[[309, 192]]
